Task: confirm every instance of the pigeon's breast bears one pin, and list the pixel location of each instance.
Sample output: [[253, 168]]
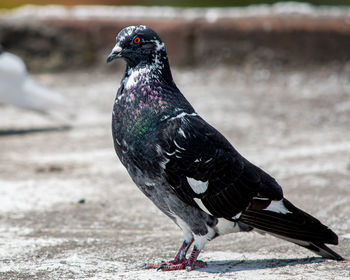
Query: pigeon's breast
[[136, 118], [136, 115]]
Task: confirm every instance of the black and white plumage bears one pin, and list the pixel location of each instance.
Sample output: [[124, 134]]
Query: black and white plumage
[[187, 168], [19, 89]]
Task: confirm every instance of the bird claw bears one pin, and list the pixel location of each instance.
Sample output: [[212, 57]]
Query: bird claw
[[170, 267], [188, 268], [155, 265], [162, 266], [151, 265], [144, 265]]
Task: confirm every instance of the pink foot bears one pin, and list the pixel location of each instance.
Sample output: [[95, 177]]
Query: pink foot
[[181, 266], [175, 265], [153, 265], [180, 262], [161, 264]]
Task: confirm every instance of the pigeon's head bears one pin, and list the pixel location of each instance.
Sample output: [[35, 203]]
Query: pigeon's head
[[138, 45]]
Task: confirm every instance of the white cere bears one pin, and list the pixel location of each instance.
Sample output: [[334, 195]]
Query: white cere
[[117, 48]]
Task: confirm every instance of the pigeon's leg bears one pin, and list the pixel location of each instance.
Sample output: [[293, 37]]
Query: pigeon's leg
[[188, 264], [181, 255], [192, 262], [179, 258], [180, 262]]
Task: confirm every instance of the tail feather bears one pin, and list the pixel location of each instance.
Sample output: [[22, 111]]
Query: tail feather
[[293, 225], [318, 248]]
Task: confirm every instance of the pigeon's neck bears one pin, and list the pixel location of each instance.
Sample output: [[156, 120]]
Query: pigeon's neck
[[155, 70]]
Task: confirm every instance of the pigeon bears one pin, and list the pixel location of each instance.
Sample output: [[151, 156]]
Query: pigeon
[[188, 169], [19, 89]]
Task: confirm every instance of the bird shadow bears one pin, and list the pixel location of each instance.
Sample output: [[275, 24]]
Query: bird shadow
[[243, 265], [11, 132]]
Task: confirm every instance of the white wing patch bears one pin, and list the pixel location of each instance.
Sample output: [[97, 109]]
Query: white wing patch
[[260, 198], [197, 186], [202, 206], [237, 216], [177, 145], [181, 131], [277, 207]]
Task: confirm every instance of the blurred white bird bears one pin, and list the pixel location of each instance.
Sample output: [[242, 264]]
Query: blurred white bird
[[19, 89]]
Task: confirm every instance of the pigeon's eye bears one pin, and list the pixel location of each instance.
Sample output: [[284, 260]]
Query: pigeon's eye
[[137, 40]]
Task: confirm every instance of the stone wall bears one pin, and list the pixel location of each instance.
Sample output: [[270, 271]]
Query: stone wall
[[59, 38]]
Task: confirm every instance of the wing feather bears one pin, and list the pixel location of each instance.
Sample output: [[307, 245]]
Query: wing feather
[[200, 152]]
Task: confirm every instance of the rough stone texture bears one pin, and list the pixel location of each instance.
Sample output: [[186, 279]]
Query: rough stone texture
[[54, 38], [292, 123]]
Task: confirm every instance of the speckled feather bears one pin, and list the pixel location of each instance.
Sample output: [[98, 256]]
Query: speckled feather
[[186, 167]]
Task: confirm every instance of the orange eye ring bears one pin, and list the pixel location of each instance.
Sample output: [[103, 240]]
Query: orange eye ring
[[137, 40]]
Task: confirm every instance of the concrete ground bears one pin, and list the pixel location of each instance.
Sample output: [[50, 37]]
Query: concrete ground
[[68, 209]]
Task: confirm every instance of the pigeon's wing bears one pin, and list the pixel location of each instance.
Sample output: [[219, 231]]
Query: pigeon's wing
[[207, 172]]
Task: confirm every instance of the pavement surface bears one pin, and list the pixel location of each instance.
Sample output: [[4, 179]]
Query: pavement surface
[[68, 209]]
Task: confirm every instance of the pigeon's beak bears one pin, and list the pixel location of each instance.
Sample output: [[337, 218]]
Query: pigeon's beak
[[116, 53]]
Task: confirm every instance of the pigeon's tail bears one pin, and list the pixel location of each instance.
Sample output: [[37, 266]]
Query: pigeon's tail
[[283, 220]]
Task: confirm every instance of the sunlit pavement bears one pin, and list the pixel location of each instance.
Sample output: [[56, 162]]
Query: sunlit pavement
[[68, 209]]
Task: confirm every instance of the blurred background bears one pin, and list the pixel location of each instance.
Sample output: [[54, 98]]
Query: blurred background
[[281, 32], [174, 3], [272, 76]]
